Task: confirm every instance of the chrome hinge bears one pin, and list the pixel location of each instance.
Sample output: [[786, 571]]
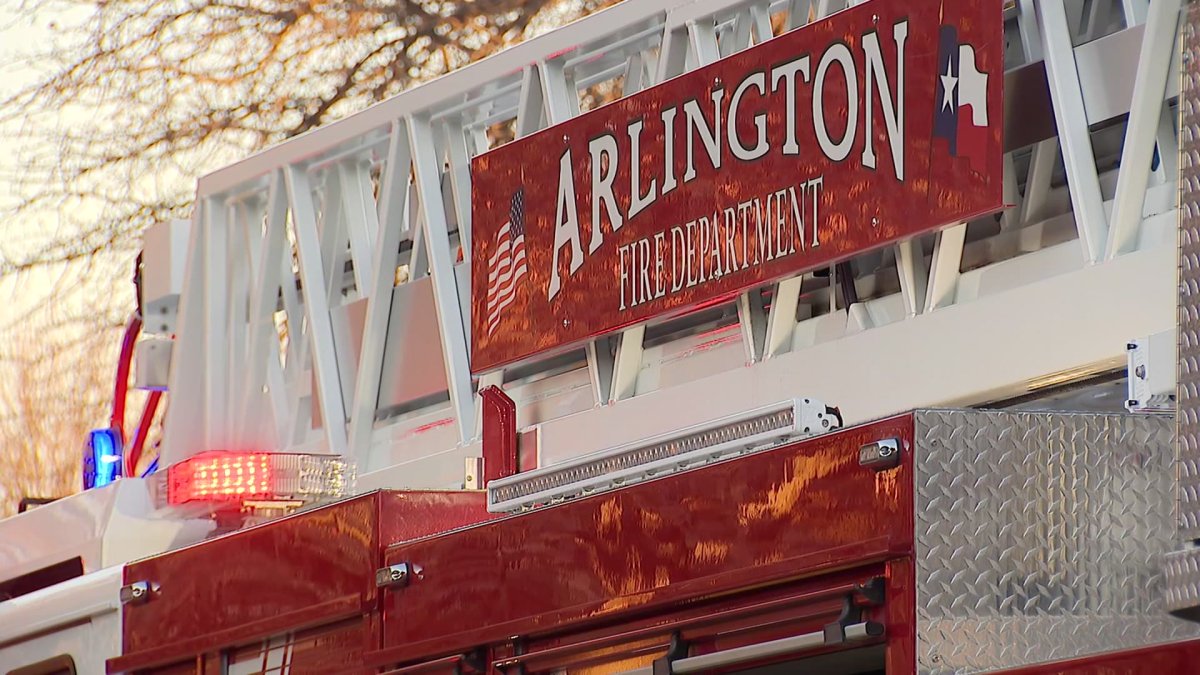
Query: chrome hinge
[[394, 576], [137, 592]]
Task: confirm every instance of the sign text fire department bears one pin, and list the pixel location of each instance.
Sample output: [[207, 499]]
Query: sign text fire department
[[709, 245]]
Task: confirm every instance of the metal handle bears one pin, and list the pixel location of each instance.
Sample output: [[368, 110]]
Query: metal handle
[[393, 576], [764, 650], [137, 592]]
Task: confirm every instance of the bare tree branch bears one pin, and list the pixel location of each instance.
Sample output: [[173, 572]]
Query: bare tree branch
[[190, 86], [129, 101]]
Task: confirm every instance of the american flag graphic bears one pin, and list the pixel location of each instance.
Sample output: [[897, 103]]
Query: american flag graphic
[[507, 264]]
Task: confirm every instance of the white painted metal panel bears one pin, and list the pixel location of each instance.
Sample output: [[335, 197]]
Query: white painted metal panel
[[80, 618], [996, 347], [103, 526]]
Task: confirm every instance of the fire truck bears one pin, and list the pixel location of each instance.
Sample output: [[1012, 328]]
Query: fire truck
[[696, 336]]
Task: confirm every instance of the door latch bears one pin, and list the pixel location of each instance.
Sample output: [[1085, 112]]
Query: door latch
[[393, 576]]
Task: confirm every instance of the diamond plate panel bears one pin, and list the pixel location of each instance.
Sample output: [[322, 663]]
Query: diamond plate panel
[[1182, 575], [1188, 376], [1040, 536]]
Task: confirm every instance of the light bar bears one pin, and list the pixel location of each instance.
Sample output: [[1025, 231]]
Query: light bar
[[687, 448], [257, 479]]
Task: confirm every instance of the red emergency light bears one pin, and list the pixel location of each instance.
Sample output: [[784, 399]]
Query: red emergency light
[[235, 479], [220, 476]]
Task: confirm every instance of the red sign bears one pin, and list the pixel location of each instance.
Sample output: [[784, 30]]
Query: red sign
[[874, 125]]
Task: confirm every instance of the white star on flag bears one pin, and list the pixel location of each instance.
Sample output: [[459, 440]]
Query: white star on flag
[[949, 82]]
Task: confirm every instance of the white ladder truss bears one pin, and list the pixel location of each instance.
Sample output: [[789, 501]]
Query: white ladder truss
[[350, 235]]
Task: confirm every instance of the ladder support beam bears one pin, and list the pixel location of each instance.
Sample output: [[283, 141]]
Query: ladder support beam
[[216, 269], [316, 306], [362, 218], [752, 317], [1074, 134], [263, 345], [238, 256], [460, 181], [451, 324], [393, 199], [531, 106], [944, 270], [781, 319], [1145, 114], [601, 366], [914, 275], [628, 363]]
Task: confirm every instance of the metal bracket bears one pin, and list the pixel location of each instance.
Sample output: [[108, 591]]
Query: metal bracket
[[1150, 370], [476, 660], [393, 576], [473, 474], [138, 592], [677, 650], [835, 633], [845, 280], [873, 593], [814, 417], [519, 649]]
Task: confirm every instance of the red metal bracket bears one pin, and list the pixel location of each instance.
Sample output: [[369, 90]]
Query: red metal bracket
[[499, 434]]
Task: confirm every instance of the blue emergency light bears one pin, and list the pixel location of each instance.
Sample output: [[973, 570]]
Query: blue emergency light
[[102, 457]]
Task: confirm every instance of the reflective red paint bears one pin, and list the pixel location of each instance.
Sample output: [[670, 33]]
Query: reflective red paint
[[707, 625], [772, 518], [730, 176], [810, 603], [309, 569], [499, 434], [900, 616], [406, 515]]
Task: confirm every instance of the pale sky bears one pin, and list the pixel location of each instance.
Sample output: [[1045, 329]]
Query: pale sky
[[22, 36]]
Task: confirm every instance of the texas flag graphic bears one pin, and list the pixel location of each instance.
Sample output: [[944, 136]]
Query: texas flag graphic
[[961, 103]]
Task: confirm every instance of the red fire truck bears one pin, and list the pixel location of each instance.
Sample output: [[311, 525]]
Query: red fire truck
[[708, 336]]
